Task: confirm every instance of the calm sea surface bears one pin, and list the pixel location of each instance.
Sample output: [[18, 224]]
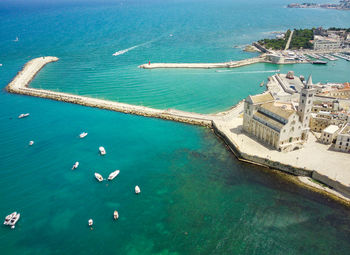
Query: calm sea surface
[[196, 198]]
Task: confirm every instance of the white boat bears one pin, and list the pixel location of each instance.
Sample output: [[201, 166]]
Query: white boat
[[82, 135], [115, 215], [102, 150], [99, 177], [0, 64], [75, 166], [16, 40], [14, 220], [9, 217], [31, 143], [137, 189], [113, 175], [91, 222], [23, 115]]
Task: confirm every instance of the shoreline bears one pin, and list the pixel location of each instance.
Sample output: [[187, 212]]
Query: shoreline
[[217, 122]]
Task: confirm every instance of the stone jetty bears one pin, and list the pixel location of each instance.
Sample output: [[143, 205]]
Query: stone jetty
[[226, 125], [231, 64], [19, 85]]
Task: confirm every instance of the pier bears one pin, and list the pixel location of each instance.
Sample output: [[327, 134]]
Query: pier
[[226, 125], [231, 64], [19, 85]]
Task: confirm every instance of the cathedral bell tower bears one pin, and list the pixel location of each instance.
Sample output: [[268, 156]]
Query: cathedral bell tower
[[305, 105]]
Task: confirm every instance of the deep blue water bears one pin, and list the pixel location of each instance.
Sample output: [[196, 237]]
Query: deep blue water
[[196, 197]]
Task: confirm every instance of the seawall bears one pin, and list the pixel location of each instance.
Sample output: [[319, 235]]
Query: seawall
[[253, 159], [231, 64]]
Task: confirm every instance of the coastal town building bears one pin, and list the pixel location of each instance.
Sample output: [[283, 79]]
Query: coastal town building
[[329, 134], [343, 139], [279, 124], [322, 43]]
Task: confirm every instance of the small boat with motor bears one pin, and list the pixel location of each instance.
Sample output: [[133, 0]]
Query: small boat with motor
[[9, 217], [137, 189], [23, 115], [319, 62], [31, 143], [14, 220], [90, 222], [102, 150], [262, 84], [98, 177], [113, 175], [75, 166], [82, 135], [115, 215]]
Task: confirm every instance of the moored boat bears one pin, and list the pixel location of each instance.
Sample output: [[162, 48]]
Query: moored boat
[[31, 143], [9, 217], [14, 220], [75, 166], [102, 150], [98, 177], [137, 189], [23, 115], [91, 222], [82, 135], [115, 215], [319, 62], [113, 175]]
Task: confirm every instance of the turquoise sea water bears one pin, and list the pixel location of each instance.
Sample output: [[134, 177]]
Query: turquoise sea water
[[196, 197]]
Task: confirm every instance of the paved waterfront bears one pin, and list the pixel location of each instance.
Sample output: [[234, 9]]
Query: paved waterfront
[[314, 155]]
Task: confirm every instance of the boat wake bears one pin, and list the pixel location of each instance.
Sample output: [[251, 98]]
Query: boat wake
[[230, 71], [121, 52]]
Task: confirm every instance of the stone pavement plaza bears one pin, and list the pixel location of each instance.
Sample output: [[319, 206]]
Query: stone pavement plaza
[[314, 155]]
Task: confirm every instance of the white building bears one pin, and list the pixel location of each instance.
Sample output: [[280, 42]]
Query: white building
[[279, 124], [326, 44], [343, 139], [329, 134]]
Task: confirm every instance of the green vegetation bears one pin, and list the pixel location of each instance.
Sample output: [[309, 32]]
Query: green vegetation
[[301, 39], [338, 29]]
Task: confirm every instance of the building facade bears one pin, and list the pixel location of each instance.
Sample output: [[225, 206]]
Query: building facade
[[325, 44], [329, 134], [279, 124], [343, 139]]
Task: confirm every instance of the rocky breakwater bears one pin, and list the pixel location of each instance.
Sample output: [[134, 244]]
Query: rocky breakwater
[[20, 85]]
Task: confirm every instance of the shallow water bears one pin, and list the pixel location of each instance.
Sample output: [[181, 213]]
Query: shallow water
[[196, 198]]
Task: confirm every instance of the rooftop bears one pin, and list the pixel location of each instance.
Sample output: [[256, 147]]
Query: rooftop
[[269, 120], [262, 98], [278, 109], [331, 129], [345, 130]]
